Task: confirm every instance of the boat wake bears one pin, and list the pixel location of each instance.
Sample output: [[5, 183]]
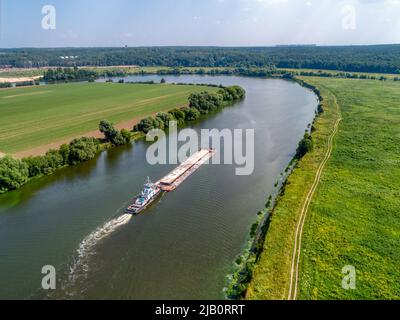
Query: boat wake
[[80, 265]]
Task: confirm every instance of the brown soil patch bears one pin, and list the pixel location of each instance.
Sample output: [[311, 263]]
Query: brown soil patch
[[20, 79]]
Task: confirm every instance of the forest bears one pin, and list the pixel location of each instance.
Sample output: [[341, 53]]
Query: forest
[[377, 58]]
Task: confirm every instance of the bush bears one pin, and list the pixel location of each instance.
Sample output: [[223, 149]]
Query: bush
[[165, 118], [64, 152], [13, 174], [320, 109], [305, 145], [46, 164], [178, 115], [83, 149], [205, 102], [191, 114], [112, 135], [126, 135], [35, 165], [150, 123], [54, 161]]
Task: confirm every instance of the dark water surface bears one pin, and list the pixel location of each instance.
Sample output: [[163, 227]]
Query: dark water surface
[[184, 245]]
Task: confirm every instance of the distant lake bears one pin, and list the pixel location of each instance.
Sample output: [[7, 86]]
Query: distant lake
[[183, 246]]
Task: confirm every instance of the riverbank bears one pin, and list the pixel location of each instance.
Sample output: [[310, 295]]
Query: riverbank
[[271, 277]]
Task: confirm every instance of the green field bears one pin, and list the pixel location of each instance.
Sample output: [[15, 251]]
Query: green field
[[35, 116], [354, 218], [389, 76]]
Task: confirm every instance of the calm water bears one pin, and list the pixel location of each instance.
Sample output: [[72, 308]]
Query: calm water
[[184, 245]]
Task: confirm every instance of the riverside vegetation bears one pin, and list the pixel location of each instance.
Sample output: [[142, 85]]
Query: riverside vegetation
[[15, 173], [353, 218]]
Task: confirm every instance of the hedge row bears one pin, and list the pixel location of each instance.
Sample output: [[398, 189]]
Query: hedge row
[[199, 104]]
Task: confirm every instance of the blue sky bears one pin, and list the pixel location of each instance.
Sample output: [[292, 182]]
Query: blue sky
[[200, 22]]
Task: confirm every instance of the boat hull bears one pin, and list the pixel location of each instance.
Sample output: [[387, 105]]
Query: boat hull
[[144, 206]]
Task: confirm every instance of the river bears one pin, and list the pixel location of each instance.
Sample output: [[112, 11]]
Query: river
[[180, 248]]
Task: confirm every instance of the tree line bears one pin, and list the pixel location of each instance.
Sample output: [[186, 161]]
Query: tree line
[[372, 59], [199, 104], [69, 74]]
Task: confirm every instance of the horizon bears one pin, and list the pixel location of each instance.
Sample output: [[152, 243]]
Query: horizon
[[214, 46]]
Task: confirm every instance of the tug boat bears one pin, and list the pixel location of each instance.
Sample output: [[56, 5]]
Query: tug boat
[[147, 196]]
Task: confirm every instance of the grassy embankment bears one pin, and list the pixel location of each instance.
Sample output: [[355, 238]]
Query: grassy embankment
[[35, 116], [354, 217]]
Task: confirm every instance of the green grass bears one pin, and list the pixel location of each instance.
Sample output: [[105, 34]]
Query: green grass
[[35, 116], [354, 218], [389, 76]]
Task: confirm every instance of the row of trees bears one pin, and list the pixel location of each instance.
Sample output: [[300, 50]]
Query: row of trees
[[199, 104], [374, 59], [69, 74], [14, 173]]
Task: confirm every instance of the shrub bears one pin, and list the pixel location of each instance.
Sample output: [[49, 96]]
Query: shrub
[[165, 118], [54, 161], [148, 124], [205, 102], [64, 152], [83, 149], [13, 174], [112, 135], [126, 135], [305, 145], [191, 114]]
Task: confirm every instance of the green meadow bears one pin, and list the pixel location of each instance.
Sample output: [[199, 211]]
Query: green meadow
[[35, 116], [354, 217]]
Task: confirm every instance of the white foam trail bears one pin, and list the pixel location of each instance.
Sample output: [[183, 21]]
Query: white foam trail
[[86, 247]]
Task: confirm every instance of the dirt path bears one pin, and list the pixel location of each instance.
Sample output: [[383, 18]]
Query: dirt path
[[41, 150], [2, 155], [294, 272]]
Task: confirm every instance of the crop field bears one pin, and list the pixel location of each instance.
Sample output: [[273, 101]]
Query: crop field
[[354, 217], [35, 116]]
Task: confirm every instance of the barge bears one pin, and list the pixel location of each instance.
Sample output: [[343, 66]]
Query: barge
[[170, 182]]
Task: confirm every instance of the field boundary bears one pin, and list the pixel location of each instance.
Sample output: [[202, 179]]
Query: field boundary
[[294, 272]]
